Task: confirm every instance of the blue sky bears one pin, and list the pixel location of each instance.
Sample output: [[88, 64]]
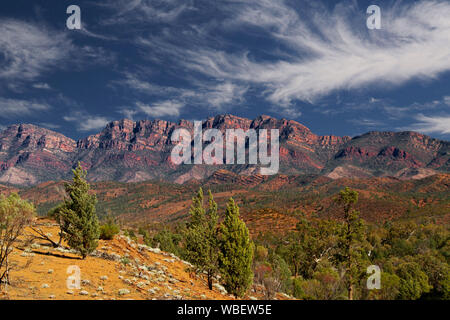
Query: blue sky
[[312, 61]]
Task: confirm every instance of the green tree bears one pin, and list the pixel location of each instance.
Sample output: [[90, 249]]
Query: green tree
[[390, 284], [15, 215], [313, 242], [167, 241], [413, 281], [350, 242], [236, 252], [109, 229], [78, 218], [201, 237]]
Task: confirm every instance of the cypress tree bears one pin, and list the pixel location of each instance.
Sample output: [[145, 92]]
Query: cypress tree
[[201, 237], [79, 222], [351, 239], [236, 252]]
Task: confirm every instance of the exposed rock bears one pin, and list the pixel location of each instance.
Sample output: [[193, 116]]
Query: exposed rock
[[123, 292], [136, 151]]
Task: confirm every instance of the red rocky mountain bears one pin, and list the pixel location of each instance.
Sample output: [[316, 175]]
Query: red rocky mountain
[[136, 151]]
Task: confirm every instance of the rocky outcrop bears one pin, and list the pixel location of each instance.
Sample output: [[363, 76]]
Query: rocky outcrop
[[128, 151]]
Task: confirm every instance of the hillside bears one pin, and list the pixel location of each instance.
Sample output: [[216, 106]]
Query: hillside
[[265, 202], [129, 151], [118, 269]]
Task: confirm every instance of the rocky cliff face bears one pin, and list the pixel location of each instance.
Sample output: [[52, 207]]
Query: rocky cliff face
[[30, 154], [135, 151]]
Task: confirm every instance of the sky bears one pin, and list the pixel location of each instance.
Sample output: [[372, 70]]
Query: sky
[[315, 62]]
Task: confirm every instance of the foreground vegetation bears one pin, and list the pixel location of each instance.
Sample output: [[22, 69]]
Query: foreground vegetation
[[329, 258], [321, 258]]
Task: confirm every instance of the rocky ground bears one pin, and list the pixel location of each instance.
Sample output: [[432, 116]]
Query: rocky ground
[[118, 269]]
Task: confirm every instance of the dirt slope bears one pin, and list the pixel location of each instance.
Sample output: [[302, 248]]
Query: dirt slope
[[118, 269]]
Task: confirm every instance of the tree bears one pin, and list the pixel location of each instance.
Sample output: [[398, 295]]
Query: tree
[[236, 252], [351, 238], [79, 222], [413, 281], [15, 215], [201, 237], [312, 243]]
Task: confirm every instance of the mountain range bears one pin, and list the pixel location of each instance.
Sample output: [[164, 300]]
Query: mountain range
[[134, 151]]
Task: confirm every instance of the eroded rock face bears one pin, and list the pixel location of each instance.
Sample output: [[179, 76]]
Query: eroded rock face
[[133, 151], [30, 154], [30, 137]]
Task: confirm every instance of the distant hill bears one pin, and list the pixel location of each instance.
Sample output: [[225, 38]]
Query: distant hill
[[128, 151], [267, 203]]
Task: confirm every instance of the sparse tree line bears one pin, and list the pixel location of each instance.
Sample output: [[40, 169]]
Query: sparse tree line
[[320, 259], [328, 258]]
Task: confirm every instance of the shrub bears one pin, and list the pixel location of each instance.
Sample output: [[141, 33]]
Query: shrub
[[109, 230], [168, 241], [15, 215]]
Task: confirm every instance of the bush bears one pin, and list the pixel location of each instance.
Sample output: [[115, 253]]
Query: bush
[[109, 230], [168, 241], [15, 215], [130, 234]]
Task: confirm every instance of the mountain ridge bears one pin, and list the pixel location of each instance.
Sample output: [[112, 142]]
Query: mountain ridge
[[133, 151]]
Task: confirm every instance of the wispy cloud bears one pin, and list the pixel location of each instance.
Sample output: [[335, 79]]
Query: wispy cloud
[[49, 125], [367, 123], [10, 108], [397, 112], [87, 122], [161, 109], [323, 51], [27, 50], [145, 11], [42, 85], [447, 100], [215, 95], [431, 124]]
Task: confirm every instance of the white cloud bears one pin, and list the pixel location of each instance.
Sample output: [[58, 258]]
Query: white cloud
[[224, 94], [136, 83], [145, 11], [396, 112], [42, 85], [27, 50], [328, 51], [49, 125], [447, 100], [160, 109], [370, 123], [214, 94], [128, 113], [432, 124], [87, 122], [16, 107]]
